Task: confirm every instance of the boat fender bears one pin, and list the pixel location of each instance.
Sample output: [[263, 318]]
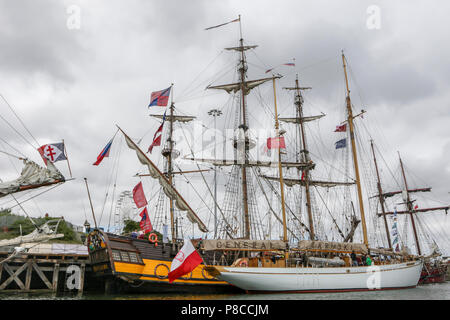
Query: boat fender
[[153, 238]]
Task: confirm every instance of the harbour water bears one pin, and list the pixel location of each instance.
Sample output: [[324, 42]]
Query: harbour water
[[437, 291]]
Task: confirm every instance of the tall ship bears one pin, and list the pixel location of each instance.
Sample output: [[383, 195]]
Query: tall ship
[[271, 232], [315, 265], [130, 264]]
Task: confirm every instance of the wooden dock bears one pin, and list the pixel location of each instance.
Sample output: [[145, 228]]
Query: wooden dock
[[38, 272]]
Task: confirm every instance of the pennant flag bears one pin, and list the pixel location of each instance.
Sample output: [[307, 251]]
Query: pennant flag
[[341, 143], [303, 175], [186, 260], [223, 24], [284, 64], [275, 143], [52, 152], [160, 98], [157, 136], [342, 128], [104, 153], [139, 196], [395, 231], [145, 223], [165, 233]]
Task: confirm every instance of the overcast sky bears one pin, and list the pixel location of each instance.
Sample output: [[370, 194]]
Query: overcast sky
[[72, 70]]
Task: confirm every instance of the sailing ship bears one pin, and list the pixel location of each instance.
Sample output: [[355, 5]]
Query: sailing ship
[[32, 176], [434, 269], [229, 258], [301, 269], [129, 264]]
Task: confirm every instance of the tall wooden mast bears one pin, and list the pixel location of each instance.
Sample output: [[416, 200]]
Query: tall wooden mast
[[277, 134], [380, 196], [305, 157], [244, 126], [410, 208], [355, 156]]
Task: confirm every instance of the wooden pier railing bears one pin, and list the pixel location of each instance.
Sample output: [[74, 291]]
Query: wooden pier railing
[[38, 272]]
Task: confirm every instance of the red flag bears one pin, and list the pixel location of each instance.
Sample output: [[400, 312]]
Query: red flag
[[342, 128], [303, 175], [157, 136], [275, 143], [139, 196], [186, 260], [160, 98], [416, 207], [145, 223]]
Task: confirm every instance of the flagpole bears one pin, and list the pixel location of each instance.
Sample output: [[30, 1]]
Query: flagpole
[[67, 158]]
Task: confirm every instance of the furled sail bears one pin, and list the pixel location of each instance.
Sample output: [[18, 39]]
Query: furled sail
[[303, 119], [326, 184], [235, 87], [252, 163], [242, 48], [169, 190], [32, 176], [174, 118]]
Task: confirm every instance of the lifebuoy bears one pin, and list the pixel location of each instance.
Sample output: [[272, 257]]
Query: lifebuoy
[[153, 238], [164, 267], [243, 263]]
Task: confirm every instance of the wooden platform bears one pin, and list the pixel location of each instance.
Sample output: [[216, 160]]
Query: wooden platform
[[37, 272]]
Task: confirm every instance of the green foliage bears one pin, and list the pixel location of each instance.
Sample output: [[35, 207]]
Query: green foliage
[[130, 226], [27, 227], [5, 212]]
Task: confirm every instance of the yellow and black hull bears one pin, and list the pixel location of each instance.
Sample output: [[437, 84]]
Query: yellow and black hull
[[133, 265]]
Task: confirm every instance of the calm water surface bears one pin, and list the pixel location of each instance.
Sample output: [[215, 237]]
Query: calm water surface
[[438, 291]]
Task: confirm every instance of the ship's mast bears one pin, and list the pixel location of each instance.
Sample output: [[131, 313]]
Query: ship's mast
[[305, 157], [355, 157], [410, 207], [277, 134], [380, 196], [243, 70]]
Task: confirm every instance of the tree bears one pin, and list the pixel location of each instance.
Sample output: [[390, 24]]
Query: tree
[[130, 226]]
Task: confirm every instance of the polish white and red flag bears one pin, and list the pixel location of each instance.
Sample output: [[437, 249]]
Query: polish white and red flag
[[186, 260]]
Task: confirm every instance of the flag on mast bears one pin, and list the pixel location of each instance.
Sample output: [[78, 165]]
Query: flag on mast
[[160, 98], [186, 260], [275, 143], [341, 143], [139, 196], [223, 24], [104, 153], [341, 128], [157, 136], [52, 152], [145, 223]]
